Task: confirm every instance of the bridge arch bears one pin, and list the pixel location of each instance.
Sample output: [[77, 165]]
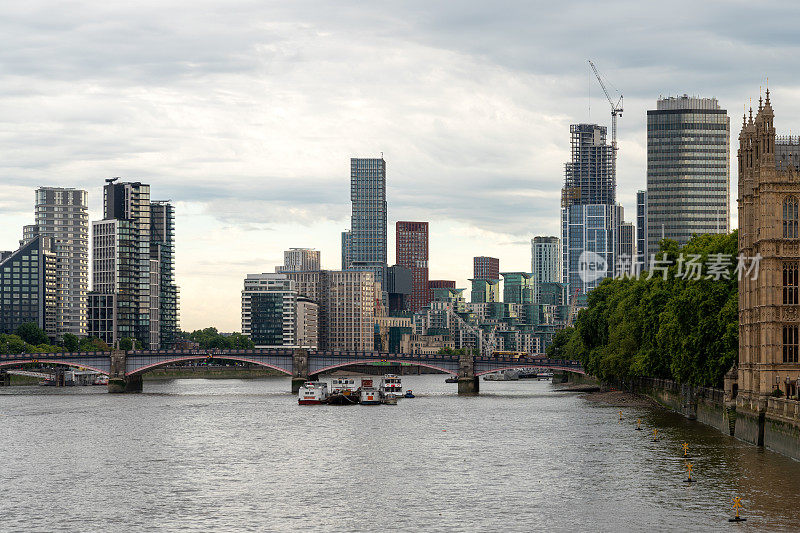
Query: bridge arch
[[18, 362], [203, 357], [369, 361]]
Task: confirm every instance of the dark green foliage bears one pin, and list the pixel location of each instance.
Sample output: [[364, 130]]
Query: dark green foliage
[[71, 342], [129, 343], [680, 329], [32, 334], [11, 344], [211, 338], [93, 344]]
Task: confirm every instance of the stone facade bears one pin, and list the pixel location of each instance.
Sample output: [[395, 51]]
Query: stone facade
[[769, 321]]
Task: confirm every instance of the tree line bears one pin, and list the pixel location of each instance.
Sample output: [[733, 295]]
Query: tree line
[[30, 338], [676, 328]]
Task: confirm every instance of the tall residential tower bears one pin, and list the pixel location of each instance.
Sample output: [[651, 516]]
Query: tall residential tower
[[545, 263], [412, 253], [62, 214], [364, 246]]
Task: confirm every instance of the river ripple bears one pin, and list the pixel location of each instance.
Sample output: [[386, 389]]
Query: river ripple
[[241, 455]]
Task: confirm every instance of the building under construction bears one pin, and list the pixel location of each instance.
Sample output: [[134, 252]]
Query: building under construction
[[590, 217], [589, 175]]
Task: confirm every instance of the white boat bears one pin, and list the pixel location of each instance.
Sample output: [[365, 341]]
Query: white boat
[[370, 396], [313, 393], [544, 375], [344, 385], [390, 384]]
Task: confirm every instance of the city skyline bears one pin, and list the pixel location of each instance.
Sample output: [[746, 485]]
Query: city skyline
[[488, 133]]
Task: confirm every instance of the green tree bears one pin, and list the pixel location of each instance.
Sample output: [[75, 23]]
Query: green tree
[[93, 344], [31, 333], [130, 343], [678, 328], [11, 344], [71, 342]]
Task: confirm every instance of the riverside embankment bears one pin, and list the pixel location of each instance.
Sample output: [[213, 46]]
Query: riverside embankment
[[773, 423]]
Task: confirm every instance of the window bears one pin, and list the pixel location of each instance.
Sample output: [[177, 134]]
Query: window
[[790, 283], [790, 344], [790, 218]]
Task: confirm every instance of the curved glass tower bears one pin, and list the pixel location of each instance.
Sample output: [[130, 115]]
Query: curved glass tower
[[688, 169]]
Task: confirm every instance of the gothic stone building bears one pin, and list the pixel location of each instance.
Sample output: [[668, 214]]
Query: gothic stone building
[[769, 339]]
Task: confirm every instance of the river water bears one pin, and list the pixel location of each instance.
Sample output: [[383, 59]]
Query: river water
[[241, 455]]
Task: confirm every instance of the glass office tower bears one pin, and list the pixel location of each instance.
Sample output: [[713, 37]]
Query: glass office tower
[[688, 169]]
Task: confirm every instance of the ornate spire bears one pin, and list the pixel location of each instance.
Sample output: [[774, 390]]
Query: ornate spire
[[751, 114], [759, 102], [767, 101]]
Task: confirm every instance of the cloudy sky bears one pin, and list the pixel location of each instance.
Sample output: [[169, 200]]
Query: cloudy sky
[[245, 114]]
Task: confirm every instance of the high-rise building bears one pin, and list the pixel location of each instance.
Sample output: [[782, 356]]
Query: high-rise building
[[364, 246], [299, 260], [412, 253], [399, 284], [688, 169], [485, 268], [121, 266], [546, 263], [517, 287], [439, 284], [269, 310], [347, 248], [641, 227], [347, 303], [134, 294], [769, 325], [590, 217], [62, 214], [627, 242], [589, 175], [163, 297], [28, 286], [307, 318]]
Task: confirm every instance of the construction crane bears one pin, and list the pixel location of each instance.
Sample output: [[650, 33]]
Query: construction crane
[[616, 109]]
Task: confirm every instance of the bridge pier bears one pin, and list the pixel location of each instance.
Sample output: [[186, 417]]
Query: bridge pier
[[125, 384], [299, 369], [5, 379], [468, 385], [118, 382]]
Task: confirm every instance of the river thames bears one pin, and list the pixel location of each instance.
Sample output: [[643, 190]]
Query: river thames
[[241, 455]]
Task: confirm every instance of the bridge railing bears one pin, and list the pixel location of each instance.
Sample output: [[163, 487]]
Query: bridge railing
[[535, 360]]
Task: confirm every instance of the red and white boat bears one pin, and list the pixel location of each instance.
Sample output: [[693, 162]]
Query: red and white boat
[[313, 393], [390, 384]]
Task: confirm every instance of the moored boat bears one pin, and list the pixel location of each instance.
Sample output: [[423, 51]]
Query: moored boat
[[451, 380], [409, 394], [344, 386], [370, 396], [390, 399], [390, 384], [313, 393]]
